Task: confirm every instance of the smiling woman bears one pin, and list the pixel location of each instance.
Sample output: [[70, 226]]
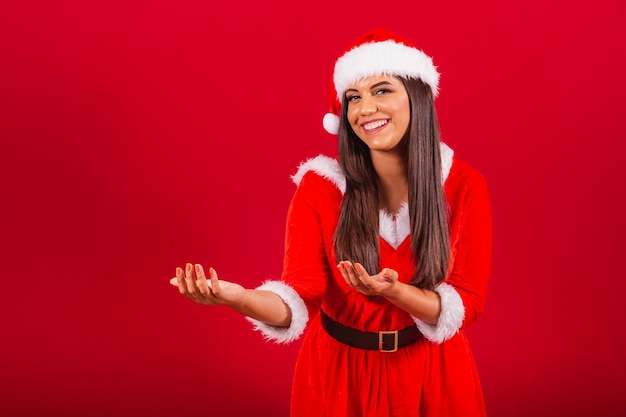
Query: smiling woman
[[388, 251], [379, 112]]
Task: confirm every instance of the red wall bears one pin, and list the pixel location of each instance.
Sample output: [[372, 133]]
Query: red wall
[[140, 135]]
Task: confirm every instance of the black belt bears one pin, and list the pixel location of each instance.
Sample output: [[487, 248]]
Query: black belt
[[384, 341]]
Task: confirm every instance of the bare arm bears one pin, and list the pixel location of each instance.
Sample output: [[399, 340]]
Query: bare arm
[[264, 306]]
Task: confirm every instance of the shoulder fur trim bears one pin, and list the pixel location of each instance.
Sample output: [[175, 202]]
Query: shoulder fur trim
[[325, 167], [447, 156], [329, 168]]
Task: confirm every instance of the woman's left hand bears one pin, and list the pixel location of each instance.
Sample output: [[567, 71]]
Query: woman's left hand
[[357, 277]]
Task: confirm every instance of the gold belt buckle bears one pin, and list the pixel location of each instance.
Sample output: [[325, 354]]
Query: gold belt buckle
[[381, 334]]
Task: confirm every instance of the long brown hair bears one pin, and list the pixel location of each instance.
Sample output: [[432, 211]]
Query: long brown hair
[[357, 234]]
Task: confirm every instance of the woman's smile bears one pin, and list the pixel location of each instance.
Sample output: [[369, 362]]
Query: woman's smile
[[374, 126]]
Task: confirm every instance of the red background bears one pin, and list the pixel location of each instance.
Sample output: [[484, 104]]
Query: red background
[[140, 135]]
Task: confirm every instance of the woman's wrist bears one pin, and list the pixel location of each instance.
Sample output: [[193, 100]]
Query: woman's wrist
[[394, 292]]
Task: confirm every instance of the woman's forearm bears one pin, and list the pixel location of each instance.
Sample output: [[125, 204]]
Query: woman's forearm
[[264, 306], [422, 304]]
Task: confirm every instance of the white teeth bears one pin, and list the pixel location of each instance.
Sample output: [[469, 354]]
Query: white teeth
[[374, 125]]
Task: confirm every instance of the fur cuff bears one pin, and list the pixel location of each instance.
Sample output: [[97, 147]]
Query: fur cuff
[[299, 314], [451, 318]]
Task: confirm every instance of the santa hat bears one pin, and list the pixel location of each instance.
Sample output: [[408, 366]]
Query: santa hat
[[377, 52]]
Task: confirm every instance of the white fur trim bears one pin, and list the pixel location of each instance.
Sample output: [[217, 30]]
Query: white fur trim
[[450, 319], [329, 168], [299, 314], [324, 166], [331, 123], [386, 57], [447, 155], [394, 229]]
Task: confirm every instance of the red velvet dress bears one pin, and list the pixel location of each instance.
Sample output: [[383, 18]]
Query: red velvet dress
[[435, 376]]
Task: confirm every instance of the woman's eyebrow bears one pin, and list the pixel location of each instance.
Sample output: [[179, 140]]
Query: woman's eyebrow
[[371, 87], [380, 83]]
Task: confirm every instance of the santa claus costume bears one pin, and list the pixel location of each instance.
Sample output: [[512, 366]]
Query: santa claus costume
[[416, 369]]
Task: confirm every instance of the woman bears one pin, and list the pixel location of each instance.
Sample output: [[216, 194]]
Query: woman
[[387, 252]]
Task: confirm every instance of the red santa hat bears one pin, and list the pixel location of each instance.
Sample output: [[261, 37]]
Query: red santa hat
[[377, 52]]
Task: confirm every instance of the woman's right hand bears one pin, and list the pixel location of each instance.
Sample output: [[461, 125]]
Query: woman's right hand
[[193, 284]]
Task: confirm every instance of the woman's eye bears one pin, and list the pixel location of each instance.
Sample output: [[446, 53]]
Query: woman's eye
[[353, 98], [382, 91]]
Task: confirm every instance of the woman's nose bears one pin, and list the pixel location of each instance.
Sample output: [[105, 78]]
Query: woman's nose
[[367, 106]]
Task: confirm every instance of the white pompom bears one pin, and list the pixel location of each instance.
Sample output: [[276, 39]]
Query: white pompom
[[331, 123]]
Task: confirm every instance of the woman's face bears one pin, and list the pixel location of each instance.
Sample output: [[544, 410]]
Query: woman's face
[[379, 111]]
